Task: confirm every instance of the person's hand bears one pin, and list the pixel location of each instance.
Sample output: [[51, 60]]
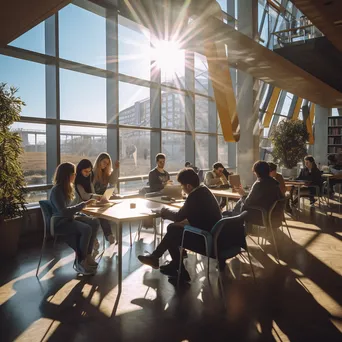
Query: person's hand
[[90, 202], [117, 164], [103, 200]]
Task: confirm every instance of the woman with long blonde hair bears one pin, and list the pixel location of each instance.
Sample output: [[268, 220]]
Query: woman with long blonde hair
[[104, 174], [67, 221]]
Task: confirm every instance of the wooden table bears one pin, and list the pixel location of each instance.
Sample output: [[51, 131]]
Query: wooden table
[[228, 194], [297, 184], [177, 204], [121, 212]]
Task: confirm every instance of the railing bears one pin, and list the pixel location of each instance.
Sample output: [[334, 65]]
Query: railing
[[296, 31]]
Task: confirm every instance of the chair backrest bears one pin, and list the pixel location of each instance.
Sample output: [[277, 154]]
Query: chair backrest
[[201, 175], [276, 213], [229, 231], [46, 209]]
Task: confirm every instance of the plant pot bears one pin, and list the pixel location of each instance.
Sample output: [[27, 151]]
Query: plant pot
[[9, 236], [289, 173]]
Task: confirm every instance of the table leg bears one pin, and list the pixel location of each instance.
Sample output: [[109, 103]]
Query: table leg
[[120, 258], [298, 194]]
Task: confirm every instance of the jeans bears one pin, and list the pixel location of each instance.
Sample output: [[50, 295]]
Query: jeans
[[106, 227], [84, 228]]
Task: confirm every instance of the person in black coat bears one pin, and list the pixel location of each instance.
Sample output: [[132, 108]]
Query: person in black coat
[[313, 176], [200, 209]]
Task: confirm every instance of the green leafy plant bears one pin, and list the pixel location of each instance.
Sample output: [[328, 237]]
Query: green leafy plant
[[12, 183], [289, 143]]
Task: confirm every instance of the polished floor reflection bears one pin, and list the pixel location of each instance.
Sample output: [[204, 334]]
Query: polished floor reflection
[[298, 300]]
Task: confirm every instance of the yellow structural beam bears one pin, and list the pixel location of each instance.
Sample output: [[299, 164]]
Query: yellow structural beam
[[309, 124], [297, 109], [271, 107], [219, 75]]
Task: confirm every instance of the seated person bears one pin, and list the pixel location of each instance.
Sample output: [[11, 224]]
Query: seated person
[[264, 192], [159, 177], [200, 209], [189, 165], [216, 177], [335, 167], [278, 177], [68, 222], [313, 175]]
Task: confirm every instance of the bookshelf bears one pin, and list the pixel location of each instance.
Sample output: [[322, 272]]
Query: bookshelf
[[334, 134]]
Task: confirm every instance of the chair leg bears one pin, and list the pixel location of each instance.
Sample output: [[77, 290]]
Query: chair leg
[[180, 264], [250, 263], [41, 254], [287, 227], [54, 241], [130, 234], [139, 229], [275, 244]]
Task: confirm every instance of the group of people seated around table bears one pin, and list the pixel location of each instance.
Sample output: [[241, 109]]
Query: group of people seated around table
[[77, 187], [74, 189]]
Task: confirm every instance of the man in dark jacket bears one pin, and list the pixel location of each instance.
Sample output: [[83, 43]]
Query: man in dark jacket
[[200, 209], [263, 194], [158, 177]]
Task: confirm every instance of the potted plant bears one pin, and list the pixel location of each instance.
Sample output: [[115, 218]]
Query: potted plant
[[12, 183], [289, 141]]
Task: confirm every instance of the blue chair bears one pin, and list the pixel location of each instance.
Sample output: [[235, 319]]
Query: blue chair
[[225, 240], [46, 208]]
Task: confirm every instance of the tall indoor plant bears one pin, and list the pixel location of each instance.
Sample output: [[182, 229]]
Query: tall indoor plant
[[289, 141], [12, 183]]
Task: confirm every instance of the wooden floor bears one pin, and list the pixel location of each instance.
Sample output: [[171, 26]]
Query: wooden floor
[[298, 300]]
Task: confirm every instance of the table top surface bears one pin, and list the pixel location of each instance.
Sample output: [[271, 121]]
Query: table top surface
[[121, 211], [225, 193], [298, 183], [330, 175]]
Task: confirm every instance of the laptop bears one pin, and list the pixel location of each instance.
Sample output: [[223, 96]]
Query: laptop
[[234, 181], [172, 191], [107, 195]]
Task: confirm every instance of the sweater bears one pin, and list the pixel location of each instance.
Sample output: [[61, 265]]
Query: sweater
[[200, 209], [157, 180], [212, 179], [314, 176], [61, 206], [100, 187]]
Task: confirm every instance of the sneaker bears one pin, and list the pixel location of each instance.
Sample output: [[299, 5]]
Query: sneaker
[[149, 260], [111, 239], [91, 262], [83, 268]]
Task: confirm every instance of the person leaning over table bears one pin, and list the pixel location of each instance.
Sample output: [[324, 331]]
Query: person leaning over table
[[313, 176], [85, 190], [68, 222], [216, 177], [200, 209]]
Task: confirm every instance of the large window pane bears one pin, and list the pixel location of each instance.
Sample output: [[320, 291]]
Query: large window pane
[[201, 74], [172, 69], [173, 110], [201, 114], [134, 49], [33, 159], [82, 36], [36, 196], [173, 145], [29, 78], [222, 150], [131, 187], [134, 152], [287, 103], [134, 105], [33, 40], [82, 142], [202, 151], [223, 4], [83, 97]]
